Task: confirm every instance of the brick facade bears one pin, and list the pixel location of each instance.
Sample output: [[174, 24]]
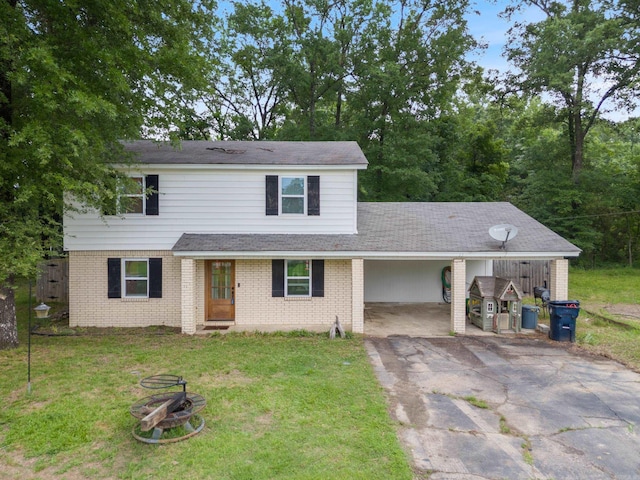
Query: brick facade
[[357, 302], [188, 298], [183, 296], [559, 279], [458, 295], [90, 307], [257, 309]]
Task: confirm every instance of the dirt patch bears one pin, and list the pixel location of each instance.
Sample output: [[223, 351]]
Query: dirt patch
[[627, 310]]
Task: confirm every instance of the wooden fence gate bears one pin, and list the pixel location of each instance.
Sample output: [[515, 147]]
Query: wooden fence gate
[[53, 281], [528, 273]]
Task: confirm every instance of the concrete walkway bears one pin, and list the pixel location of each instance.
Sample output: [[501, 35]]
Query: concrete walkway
[[551, 411]]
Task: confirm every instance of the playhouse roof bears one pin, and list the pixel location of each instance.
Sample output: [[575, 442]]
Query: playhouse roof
[[495, 287]]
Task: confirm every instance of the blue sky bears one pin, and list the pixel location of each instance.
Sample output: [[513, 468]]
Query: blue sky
[[486, 25], [489, 28]]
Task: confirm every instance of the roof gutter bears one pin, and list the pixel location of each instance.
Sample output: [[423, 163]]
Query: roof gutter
[[376, 255]]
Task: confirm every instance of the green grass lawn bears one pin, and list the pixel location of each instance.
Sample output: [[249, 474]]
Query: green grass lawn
[[299, 407], [611, 285], [597, 329]]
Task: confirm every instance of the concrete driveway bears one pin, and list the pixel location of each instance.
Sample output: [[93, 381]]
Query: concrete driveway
[[551, 412]]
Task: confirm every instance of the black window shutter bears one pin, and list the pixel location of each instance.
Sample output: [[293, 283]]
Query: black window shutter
[[313, 195], [272, 195], [277, 278], [114, 278], [155, 278], [152, 206], [317, 278]]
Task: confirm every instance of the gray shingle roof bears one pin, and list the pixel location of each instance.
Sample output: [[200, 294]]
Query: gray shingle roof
[[414, 229], [495, 287], [249, 153]]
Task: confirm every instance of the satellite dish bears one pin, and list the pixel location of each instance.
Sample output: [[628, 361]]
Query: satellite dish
[[503, 233]]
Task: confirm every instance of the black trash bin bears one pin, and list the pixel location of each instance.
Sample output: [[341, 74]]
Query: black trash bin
[[562, 318], [530, 316]]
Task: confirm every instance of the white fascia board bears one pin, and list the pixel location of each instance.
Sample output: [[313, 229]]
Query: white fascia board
[[378, 255], [219, 166]]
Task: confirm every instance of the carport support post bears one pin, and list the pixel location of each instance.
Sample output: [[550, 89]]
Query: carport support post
[[559, 279], [458, 295], [188, 294], [357, 295]]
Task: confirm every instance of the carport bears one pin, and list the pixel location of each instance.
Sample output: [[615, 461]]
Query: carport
[[404, 297], [384, 319], [405, 246], [396, 257]]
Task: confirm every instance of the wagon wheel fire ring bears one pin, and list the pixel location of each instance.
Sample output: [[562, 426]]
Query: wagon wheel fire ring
[[166, 411]]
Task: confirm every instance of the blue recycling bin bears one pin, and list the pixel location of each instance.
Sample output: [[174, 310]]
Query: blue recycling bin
[[530, 316], [562, 319]]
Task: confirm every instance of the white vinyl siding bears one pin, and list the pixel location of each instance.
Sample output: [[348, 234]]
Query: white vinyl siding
[[215, 201]]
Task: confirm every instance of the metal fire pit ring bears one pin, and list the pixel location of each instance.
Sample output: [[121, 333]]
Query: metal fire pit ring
[[182, 417]]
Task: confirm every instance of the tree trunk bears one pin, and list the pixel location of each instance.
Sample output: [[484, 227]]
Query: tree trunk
[[312, 100], [629, 242], [578, 148], [8, 323]]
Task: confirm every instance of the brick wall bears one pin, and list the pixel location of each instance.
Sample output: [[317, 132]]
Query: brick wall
[[256, 307], [188, 294], [88, 302], [559, 279], [458, 295], [357, 307]]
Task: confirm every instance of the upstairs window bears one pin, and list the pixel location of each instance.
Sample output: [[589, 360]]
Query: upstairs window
[[139, 196], [131, 198], [292, 194]]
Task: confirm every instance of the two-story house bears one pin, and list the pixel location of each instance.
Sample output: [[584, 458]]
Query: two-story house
[[270, 235]]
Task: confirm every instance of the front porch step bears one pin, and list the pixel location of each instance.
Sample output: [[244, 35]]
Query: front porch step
[[211, 326], [219, 323]]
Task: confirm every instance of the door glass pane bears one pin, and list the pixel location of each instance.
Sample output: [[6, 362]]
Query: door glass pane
[[221, 280]]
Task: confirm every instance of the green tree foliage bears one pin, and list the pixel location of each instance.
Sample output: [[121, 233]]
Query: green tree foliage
[[75, 78], [376, 72], [584, 55]]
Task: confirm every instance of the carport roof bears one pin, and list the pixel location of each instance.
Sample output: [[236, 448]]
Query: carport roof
[[399, 230]]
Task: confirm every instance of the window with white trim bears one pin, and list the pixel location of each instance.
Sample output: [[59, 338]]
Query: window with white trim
[[292, 195], [298, 278], [131, 198], [135, 278]]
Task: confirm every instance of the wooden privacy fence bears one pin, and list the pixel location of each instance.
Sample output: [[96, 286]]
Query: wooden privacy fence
[[528, 273], [53, 281]]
